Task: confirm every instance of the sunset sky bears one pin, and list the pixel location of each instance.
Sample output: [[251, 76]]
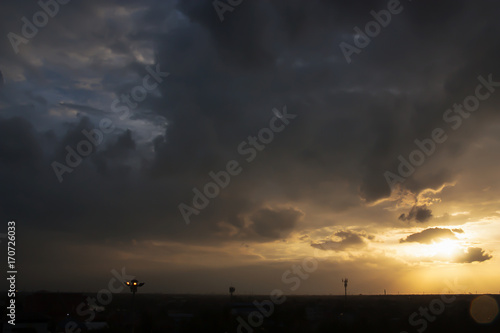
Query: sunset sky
[[116, 115]]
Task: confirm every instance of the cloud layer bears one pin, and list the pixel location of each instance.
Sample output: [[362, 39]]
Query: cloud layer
[[325, 169]]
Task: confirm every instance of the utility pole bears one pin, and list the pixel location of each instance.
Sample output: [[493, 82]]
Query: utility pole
[[345, 288]]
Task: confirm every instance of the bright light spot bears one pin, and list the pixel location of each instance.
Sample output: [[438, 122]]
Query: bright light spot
[[460, 213], [444, 250], [447, 248]]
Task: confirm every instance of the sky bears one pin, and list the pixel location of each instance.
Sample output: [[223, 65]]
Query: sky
[[265, 145]]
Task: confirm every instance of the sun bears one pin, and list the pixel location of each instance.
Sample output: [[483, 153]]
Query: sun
[[446, 248], [441, 250]]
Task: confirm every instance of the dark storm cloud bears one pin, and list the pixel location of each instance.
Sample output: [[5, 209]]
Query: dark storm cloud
[[112, 160], [429, 236], [348, 240], [354, 120], [226, 77], [19, 144], [275, 223], [417, 213], [473, 254]]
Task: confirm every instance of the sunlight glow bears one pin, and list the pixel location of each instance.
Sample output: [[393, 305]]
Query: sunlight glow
[[446, 248]]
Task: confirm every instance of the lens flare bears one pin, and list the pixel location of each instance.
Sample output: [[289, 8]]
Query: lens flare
[[484, 309]]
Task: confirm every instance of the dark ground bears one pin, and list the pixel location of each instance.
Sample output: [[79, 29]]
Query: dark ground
[[211, 313]]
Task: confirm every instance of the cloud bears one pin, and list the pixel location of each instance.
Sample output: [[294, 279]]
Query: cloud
[[343, 240], [275, 223], [429, 236], [354, 120], [458, 231], [417, 213], [473, 254], [358, 127]]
